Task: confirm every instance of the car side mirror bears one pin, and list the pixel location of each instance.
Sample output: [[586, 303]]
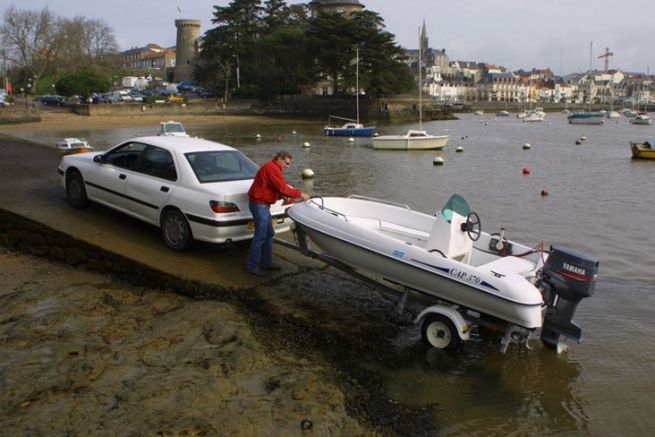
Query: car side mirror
[[99, 159]]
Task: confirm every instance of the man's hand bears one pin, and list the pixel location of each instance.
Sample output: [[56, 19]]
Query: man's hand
[[304, 196]]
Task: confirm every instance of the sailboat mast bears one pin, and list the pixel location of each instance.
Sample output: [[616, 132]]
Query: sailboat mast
[[357, 81], [591, 47], [420, 83]]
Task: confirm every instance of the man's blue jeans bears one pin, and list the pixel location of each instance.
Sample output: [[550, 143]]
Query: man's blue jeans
[[261, 247]]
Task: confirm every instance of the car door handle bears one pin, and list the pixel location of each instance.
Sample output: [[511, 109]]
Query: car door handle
[[122, 176], [164, 189]]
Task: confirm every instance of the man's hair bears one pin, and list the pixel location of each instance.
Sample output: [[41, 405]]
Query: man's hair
[[283, 154]]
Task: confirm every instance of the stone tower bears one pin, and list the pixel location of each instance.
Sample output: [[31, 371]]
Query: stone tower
[[188, 32], [335, 6]]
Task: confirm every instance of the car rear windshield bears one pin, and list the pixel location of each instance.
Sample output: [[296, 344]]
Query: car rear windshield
[[221, 166]]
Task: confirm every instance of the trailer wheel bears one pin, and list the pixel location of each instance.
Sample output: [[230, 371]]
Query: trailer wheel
[[439, 331]]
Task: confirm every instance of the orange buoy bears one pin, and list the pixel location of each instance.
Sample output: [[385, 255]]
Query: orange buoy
[[526, 170]]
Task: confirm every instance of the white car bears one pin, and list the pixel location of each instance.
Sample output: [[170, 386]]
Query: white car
[[193, 189]]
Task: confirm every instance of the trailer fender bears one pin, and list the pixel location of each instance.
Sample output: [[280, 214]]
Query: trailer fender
[[462, 327]]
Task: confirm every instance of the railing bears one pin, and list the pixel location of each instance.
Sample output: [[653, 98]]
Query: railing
[[373, 199]]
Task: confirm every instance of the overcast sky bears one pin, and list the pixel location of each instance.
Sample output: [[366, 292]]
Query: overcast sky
[[513, 33]]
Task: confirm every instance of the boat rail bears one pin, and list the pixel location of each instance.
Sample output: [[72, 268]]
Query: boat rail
[[328, 210], [373, 199]]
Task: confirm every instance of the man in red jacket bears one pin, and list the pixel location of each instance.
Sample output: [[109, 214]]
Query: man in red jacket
[[268, 187]]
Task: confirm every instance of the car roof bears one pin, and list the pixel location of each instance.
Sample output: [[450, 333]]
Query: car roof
[[182, 144]]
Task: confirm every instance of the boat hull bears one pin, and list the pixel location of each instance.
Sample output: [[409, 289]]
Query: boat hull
[[402, 142], [642, 151], [586, 118], [354, 132], [519, 303]]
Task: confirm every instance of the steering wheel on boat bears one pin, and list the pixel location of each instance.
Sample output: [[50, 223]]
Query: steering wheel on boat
[[473, 226]]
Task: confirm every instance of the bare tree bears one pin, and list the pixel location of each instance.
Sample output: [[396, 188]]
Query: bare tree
[[82, 42], [27, 38], [40, 42]]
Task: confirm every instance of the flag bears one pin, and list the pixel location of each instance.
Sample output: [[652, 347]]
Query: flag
[[9, 87]]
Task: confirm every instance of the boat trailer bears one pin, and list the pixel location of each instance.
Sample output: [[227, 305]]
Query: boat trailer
[[444, 325]]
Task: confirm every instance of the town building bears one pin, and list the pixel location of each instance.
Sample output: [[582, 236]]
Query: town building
[[151, 58]]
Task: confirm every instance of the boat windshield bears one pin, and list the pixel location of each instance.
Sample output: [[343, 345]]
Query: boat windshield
[[457, 204]]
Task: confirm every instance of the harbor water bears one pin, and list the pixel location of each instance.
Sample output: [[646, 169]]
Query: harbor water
[[599, 201]]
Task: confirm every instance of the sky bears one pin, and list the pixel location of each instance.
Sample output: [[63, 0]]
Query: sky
[[516, 34]]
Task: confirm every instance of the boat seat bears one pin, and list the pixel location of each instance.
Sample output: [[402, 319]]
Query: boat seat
[[449, 239], [403, 230], [509, 265]]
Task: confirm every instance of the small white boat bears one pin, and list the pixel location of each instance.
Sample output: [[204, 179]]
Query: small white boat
[[522, 114], [479, 112], [534, 116], [412, 140], [69, 146], [172, 129], [642, 119], [502, 114], [489, 278], [612, 114]]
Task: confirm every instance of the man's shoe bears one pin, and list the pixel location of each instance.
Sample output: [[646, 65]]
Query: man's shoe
[[273, 267], [256, 272]]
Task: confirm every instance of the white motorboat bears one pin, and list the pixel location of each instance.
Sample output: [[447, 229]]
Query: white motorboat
[[534, 115], [490, 279], [70, 146], [642, 119], [412, 140], [172, 129]]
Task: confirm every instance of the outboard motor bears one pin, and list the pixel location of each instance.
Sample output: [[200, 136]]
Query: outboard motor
[[566, 278]]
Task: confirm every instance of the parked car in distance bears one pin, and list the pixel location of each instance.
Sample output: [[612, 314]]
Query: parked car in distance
[[52, 100], [193, 189]]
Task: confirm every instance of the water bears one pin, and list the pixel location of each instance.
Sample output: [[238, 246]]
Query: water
[[600, 202]]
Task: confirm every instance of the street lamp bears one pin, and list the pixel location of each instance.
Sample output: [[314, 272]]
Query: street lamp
[[22, 90]]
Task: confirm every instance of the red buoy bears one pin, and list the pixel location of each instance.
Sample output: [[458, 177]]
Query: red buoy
[[544, 192], [526, 170]]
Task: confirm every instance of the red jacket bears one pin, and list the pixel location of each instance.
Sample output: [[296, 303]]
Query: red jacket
[[269, 185]]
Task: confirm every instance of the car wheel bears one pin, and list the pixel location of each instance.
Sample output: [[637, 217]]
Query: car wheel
[[75, 190], [175, 230]]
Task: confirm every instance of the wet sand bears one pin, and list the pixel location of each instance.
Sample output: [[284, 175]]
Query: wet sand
[[51, 120], [82, 354]]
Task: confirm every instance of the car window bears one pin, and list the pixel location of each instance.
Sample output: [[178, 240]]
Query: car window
[[125, 156], [221, 166], [158, 162]]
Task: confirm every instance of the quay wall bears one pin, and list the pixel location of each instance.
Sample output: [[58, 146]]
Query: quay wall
[[391, 110]]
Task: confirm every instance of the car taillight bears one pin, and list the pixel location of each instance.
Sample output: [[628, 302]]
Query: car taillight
[[221, 207]]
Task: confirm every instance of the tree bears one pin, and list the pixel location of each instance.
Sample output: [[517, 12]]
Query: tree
[[82, 42], [28, 40], [334, 40], [84, 82], [230, 45]]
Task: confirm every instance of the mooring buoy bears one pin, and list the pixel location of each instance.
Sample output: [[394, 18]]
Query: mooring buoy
[[438, 160], [305, 144], [307, 173]]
